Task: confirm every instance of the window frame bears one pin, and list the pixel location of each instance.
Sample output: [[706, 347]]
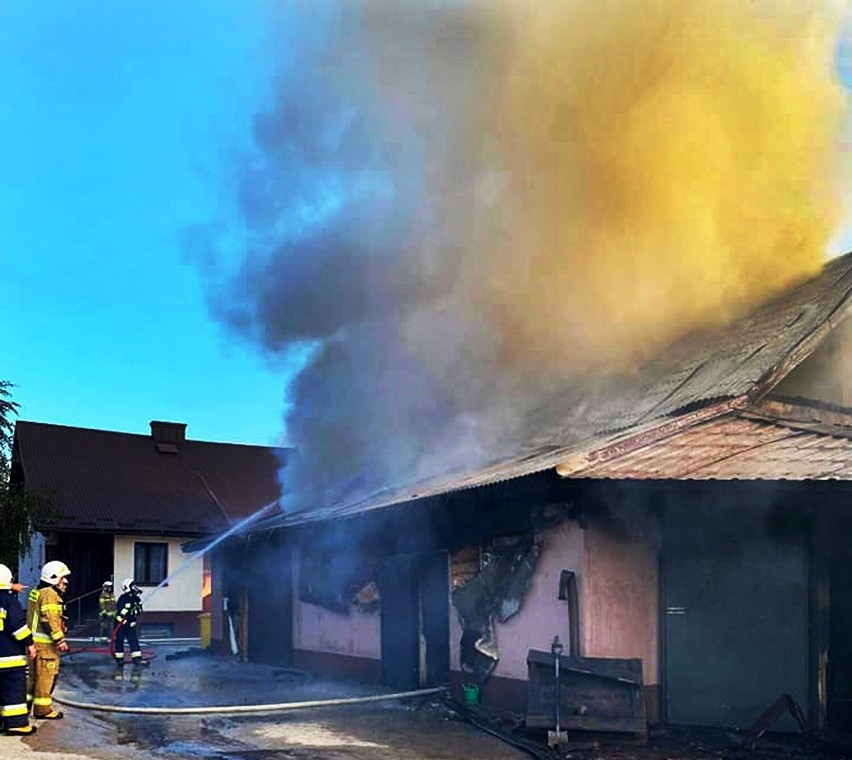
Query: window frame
[[145, 578]]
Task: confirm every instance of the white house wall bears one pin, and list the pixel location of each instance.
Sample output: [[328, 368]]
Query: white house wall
[[186, 576], [29, 566]]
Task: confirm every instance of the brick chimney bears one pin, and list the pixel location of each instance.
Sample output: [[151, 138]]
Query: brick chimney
[[168, 432]]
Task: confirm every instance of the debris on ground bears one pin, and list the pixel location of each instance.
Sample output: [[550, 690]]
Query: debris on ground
[[428, 728], [663, 742]]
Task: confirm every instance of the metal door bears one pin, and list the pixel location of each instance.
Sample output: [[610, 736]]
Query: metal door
[[735, 626], [267, 620], [400, 623], [435, 617]]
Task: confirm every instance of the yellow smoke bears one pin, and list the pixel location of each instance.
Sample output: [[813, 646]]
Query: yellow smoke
[[666, 164]]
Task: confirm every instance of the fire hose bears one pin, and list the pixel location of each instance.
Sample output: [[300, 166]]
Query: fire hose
[[232, 709], [112, 639]]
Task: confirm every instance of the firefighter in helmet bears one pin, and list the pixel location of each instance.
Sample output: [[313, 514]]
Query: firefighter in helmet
[[45, 617], [128, 611], [16, 645], [106, 610]]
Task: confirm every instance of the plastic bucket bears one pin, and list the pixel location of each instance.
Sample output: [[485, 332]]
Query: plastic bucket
[[471, 693], [204, 629]]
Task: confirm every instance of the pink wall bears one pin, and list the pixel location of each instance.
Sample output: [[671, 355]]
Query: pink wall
[[542, 615], [619, 599], [357, 634]]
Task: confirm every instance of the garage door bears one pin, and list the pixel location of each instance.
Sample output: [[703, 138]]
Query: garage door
[[735, 621]]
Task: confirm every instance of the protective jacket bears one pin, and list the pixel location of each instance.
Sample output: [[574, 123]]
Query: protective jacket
[[45, 618], [15, 634], [45, 615], [15, 637], [106, 604], [128, 608]]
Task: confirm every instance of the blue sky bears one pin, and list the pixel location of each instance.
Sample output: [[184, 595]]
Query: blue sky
[[116, 122], [116, 127]]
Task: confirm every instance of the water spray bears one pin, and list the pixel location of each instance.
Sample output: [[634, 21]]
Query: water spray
[[215, 542]]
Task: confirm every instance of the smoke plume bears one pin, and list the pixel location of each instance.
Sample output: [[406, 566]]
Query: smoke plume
[[460, 205]]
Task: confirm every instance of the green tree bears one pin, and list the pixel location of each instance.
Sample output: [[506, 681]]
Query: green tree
[[20, 508], [7, 409]]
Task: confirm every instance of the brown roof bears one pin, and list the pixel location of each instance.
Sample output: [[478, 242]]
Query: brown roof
[[108, 481], [739, 446], [704, 376]]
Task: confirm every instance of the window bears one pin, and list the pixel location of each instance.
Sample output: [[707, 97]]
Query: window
[[156, 631], [150, 563]]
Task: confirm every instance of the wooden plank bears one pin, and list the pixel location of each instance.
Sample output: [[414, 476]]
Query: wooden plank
[[595, 693], [628, 670], [588, 723]]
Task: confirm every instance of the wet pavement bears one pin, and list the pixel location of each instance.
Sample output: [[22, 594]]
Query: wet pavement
[[413, 729]]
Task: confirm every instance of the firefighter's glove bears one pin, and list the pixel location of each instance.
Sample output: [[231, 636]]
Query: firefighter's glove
[[62, 646]]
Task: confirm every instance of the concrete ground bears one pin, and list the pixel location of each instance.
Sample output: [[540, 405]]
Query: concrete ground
[[404, 730], [414, 729]]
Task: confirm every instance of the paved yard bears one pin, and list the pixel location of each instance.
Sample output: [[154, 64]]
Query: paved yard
[[421, 729], [409, 730]]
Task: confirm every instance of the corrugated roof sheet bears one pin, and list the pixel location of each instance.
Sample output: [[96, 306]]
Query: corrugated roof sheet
[[734, 448], [705, 375], [111, 481]]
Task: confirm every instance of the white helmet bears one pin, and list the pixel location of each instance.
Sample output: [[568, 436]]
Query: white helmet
[[107, 585], [128, 584], [54, 571], [5, 578]]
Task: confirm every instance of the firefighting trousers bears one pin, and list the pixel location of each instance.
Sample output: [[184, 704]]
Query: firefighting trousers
[[42, 679], [13, 694], [127, 632], [107, 624]]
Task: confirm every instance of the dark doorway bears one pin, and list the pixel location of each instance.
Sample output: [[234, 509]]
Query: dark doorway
[[415, 620], [435, 616], [90, 557], [400, 623], [267, 599], [840, 624]]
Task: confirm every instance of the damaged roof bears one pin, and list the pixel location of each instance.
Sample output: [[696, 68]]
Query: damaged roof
[[694, 397], [745, 445], [113, 482]]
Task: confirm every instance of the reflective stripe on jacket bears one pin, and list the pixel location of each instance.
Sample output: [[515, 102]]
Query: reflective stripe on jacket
[[15, 634], [44, 615], [129, 608], [106, 603]]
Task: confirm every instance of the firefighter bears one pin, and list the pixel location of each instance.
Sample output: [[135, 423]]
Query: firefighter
[[16, 645], [106, 614], [45, 617], [128, 610]]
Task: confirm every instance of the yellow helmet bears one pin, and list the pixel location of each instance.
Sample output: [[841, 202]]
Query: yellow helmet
[[54, 571]]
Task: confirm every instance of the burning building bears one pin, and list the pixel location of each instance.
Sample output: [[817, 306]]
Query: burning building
[[698, 506], [572, 356]]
